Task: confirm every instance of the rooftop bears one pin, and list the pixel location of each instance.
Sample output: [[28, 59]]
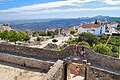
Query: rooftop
[[67, 29], [89, 25]]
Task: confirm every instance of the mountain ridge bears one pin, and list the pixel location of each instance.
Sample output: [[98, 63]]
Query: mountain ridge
[[37, 24]]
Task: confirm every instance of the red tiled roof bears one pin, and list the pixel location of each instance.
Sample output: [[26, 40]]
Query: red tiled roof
[[67, 29], [89, 25]]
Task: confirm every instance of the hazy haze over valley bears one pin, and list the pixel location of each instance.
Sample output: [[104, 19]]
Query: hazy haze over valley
[[37, 24]]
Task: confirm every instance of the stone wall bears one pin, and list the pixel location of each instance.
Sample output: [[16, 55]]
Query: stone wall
[[94, 73], [100, 74], [56, 72], [103, 61], [22, 50], [28, 62], [96, 59]]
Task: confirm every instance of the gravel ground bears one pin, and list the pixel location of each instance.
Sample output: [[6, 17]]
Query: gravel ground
[[18, 73]]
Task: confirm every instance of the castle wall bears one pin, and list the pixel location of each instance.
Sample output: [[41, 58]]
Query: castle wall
[[101, 60], [96, 59], [100, 74], [28, 62], [94, 73], [56, 72]]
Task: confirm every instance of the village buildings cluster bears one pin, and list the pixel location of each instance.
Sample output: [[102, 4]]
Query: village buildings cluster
[[97, 27]]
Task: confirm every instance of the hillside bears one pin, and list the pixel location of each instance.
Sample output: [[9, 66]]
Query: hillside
[[37, 24]]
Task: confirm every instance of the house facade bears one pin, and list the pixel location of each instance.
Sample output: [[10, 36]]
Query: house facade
[[113, 25], [67, 31], [4, 27], [96, 29], [112, 28]]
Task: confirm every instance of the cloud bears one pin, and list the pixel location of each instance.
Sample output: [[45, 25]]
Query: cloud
[[47, 5], [54, 7], [68, 10], [111, 2], [6, 1]]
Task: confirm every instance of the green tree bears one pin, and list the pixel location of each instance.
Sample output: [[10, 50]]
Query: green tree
[[72, 32], [38, 38], [116, 55], [101, 48], [42, 33], [4, 35], [26, 38], [84, 43], [50, 33], [118, 27], [96, 22], [88, 37], [54, 40], [70, 37], [14, 36], [35, 33], [115, 49], [104, 37]]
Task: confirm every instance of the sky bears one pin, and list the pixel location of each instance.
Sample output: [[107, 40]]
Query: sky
[[45, 9]]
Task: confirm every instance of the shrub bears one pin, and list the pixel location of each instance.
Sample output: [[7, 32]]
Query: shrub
[[54, 40], [118, 27], [101, 48], [70, 38], [116, 55], [63, 46], [88, 37], [72, 32], [115, 49], [42, 33], [53, 36], [84, 43], [38, 38], [50, 33]]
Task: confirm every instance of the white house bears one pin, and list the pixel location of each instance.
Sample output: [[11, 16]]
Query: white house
[[112, 28], [67, 31], [5, 27], [113, 25], [96, 29], [51, 29]]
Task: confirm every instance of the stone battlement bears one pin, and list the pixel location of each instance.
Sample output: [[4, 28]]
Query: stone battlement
[[93, 57], [108, 67]]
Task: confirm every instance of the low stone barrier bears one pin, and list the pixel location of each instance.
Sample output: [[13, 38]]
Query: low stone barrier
[[103, 61], [94, 73], [100, 60], [101, 74], [28, 62], [56, 72]]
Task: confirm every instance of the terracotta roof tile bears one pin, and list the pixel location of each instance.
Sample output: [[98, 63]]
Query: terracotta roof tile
[[89, 25], [67, 29]]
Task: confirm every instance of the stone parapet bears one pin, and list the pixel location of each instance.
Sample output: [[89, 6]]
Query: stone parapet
[[56, 72]]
